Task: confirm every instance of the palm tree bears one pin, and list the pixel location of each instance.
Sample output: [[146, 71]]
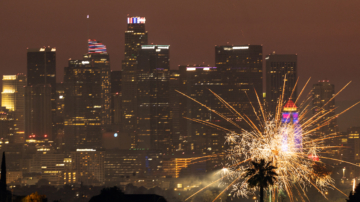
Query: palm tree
[[261, 175], [354, 196]]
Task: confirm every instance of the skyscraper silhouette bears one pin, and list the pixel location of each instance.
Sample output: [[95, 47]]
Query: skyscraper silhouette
[[135, 36]]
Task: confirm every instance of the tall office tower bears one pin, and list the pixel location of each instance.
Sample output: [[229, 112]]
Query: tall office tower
[[38, 114], [277, 66], [135, 36], [41, 70], [59, 119], [352, 150], [323, 91], [116, 97], [153, 110], [97, 53], [8, 92], [174, 101], [241, 71], [19, 113], [83, 101], [13, 98], [196, 81], [60, 96], [6, 123]]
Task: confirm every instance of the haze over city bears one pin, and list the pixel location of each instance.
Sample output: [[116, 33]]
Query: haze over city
[[169, 84]]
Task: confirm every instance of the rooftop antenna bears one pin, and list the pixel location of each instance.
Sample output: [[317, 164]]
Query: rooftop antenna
[[88, 28]]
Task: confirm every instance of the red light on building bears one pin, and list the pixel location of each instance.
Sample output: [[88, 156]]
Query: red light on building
[[45, 135]]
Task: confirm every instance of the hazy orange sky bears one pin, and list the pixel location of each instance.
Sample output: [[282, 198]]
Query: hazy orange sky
[[324, 33]]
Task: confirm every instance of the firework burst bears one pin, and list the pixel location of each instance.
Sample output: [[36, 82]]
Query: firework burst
[[287, 139]]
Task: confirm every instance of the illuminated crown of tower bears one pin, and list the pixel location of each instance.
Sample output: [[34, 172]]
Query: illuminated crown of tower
[[96, 47], [290, 106]]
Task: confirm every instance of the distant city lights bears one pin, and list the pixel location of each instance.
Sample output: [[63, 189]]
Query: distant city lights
[[84, 150]]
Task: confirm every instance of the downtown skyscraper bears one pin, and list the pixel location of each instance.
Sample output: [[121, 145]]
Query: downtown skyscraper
[[194, 136], [116, 95], [82, 112], [322, 94], [13, 98], [238, 73], [153, 101], [240, 68], [101, 59], [135, 37], [87, 98], [277, 66], [40, 93]]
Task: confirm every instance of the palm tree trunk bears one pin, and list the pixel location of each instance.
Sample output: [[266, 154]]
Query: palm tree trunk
[[261, 193]]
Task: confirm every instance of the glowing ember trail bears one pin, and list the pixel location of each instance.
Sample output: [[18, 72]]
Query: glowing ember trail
[[287, 138]]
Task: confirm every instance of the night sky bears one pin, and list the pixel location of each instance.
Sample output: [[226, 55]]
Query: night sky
[[324, 33]]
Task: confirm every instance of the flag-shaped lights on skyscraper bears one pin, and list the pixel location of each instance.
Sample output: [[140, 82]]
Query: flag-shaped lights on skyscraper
[[96, 47], [136, 20]]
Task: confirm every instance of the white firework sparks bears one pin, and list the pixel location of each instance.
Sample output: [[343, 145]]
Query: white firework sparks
[[292, 146]]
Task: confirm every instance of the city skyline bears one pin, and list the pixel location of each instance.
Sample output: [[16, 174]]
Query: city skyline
[[343, 101], [180, 99], [312, 40]]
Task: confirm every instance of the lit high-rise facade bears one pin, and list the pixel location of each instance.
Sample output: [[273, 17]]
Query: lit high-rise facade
[[41, 66], [323, 91], [83, 104], [240, 68], [174, 84], [352, 145], [277, 66], [13, 98], [100, 58], [89, 167], [38, 112], [153, 110], [8, 92], [59, 119], [116, 95], [135, 36], [41, 73], [195, 81], [6, 123]]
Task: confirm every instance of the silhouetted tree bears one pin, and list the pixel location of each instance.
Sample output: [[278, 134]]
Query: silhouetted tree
[[112, 194], [43, 182], [141, 190], [261, 175], [354, 196], [130, 189], [4, 194], [155, 190]]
